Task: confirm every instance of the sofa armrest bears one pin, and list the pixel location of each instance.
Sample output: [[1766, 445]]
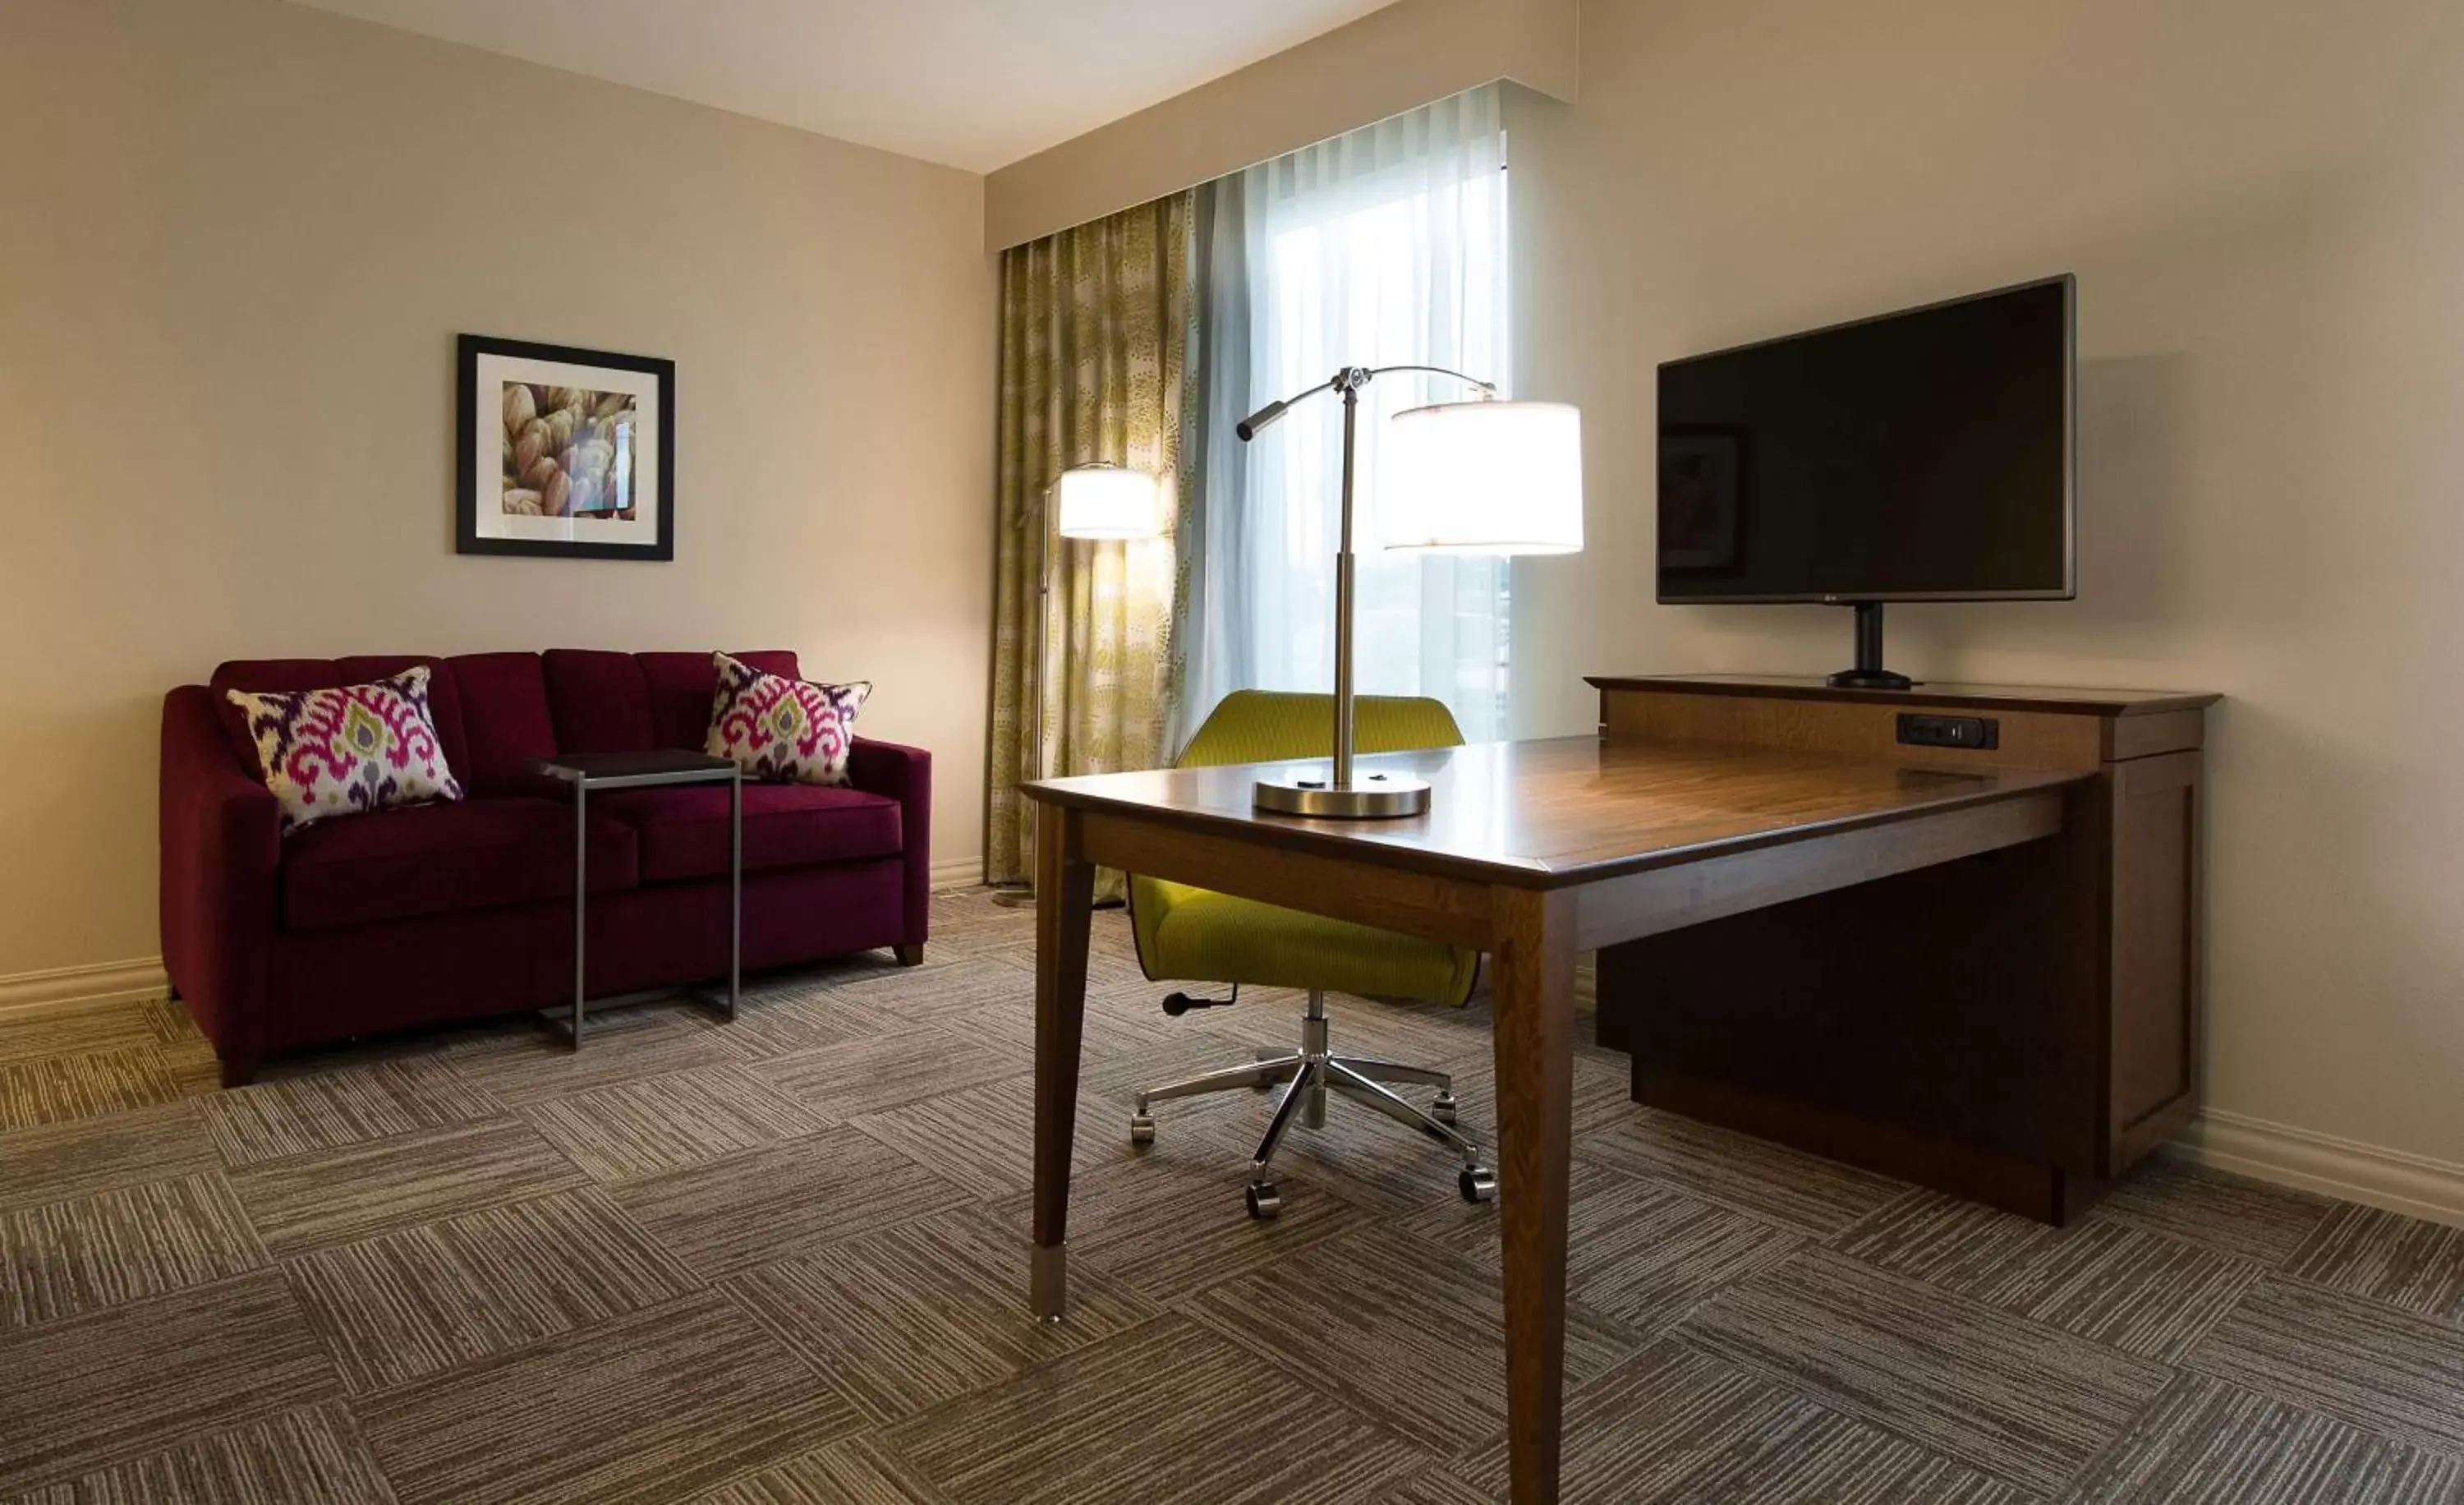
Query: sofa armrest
[[904, 774], [221, 854]]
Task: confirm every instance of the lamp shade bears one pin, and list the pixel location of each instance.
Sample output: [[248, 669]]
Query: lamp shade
[[1104, 501], [1483, 478]]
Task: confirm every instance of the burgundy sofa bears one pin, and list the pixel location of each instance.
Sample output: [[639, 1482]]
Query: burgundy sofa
[[448, 911]]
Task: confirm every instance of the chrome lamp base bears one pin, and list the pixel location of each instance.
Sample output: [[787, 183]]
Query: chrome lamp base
[[1314, 791]]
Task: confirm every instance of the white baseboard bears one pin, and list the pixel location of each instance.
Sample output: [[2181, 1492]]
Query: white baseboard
[[959, 872], [2413, 1185], [68, 986]]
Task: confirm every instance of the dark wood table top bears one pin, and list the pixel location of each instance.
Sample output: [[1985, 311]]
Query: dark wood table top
[[1564, 810], [1982, 696]]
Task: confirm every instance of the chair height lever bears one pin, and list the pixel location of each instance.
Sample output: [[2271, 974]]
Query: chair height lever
[[1179, 1004]]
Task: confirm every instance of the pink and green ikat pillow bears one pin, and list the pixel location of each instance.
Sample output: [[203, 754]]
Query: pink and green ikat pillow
[[349, 750]]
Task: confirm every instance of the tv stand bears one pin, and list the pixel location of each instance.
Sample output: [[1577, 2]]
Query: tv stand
[[1869, 673]]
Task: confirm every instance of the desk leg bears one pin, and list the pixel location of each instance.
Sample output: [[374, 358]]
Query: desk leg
[[1064, 892], [1534, 990]]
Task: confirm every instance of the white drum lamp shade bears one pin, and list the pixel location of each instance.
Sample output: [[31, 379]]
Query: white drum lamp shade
[[1483, 478], [1104, 501]]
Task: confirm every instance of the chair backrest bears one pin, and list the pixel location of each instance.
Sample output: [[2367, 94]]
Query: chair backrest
[[1268, 725]]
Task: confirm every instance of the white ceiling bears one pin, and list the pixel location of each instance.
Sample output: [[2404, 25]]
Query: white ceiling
[[974, 84]]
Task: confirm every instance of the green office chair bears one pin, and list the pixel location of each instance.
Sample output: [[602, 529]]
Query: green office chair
[[1191, 933]]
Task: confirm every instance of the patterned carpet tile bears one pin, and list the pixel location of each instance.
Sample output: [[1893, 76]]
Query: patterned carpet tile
[[1140, 1222], [123, 1245], [663, 1123], [2143, 1293], [781, 1262], [406, 1305], [1675, 1424], [920, 995], [983, 1138], [651, 1407], [781, 1020], [2012, 1399], [792, 1197], [2207, 1443], [1639, 1253], [60, 1161], [75, 1030], [2232, 1214], [622, 1045], [1165, 1414], [335, 1196], [312, 1456], [105, 1387], [59, 1089], [2364, 1363], [332, 1109], [1800, 1192], [856, 1471], [2411, 1265], [907, 1317], [1399, 1331], [837, 1082]]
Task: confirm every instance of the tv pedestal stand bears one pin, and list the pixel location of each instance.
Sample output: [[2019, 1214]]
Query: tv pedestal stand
[[1869, 673]]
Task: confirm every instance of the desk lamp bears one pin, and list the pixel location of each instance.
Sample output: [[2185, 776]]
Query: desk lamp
[[1481, 476]]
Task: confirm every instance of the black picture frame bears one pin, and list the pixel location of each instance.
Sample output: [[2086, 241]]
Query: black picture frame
[[486, 533]]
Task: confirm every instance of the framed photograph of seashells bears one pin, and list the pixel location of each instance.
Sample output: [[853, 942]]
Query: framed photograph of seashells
[[564, 452]]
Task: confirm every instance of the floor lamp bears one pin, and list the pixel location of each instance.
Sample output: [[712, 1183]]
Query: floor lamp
[[1101, 500], [1484, 476]]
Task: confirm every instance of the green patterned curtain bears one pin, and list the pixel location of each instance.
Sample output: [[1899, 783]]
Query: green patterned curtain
[[1096, 338]]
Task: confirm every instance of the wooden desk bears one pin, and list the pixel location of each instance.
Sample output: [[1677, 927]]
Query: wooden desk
[[1531, 852]]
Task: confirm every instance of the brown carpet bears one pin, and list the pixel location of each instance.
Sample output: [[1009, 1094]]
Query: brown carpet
[[782, 1262]]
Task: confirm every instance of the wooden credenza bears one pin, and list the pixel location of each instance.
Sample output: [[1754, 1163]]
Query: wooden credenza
[[2018, 1027]]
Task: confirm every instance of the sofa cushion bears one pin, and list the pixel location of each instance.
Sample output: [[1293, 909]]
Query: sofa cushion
[[682, 685], [506, 721], [599, 701], [433, 859], [348, 750], [683, 831]]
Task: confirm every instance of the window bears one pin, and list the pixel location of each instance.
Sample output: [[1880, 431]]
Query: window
[[1384, 247]]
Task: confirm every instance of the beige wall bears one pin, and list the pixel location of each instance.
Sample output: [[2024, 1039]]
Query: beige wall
[[1390, 60], [236, 240], [2264, 203]]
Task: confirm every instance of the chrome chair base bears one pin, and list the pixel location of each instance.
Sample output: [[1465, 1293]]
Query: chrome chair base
[[1307, 1076]]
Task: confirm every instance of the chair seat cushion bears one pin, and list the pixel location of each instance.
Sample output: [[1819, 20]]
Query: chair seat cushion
[[683, 831], [433, 859], [1206, 937]]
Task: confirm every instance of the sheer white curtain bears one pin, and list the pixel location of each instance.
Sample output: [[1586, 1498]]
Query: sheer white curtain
[[1383, 246]]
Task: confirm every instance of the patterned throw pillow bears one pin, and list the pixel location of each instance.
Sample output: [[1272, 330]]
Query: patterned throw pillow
[[337, 752], [785, 730]]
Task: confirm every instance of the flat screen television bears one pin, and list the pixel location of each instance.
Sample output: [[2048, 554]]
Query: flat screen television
[[1921, 456]]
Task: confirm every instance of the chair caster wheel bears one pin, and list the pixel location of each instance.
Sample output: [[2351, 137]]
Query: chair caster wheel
[[1477, 1184], [1141, 1128], [1443, 1109], [1263, 1200]]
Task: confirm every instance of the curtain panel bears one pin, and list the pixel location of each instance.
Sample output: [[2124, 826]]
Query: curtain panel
[[1097, 338]]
